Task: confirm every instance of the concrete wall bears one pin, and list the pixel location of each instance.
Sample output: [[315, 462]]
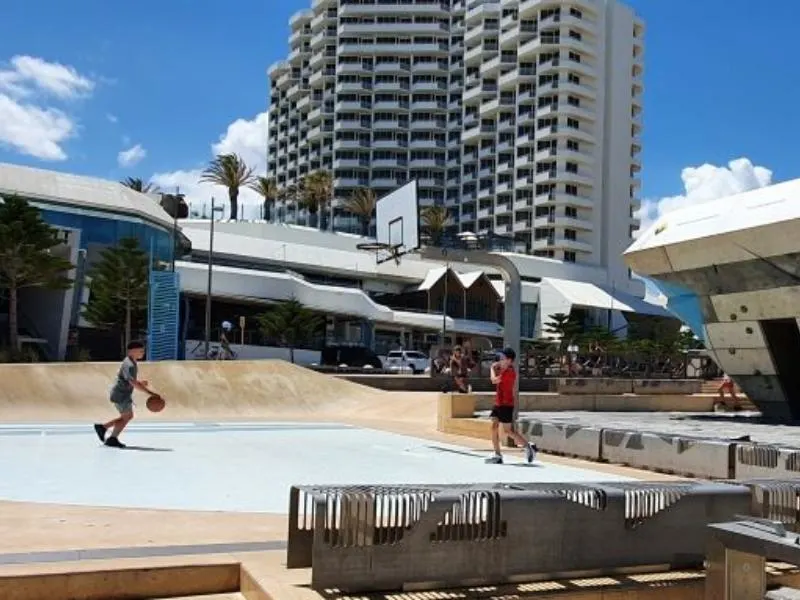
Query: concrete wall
[[246, 352]]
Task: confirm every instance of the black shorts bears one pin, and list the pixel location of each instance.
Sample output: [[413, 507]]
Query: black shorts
[[504, 414]]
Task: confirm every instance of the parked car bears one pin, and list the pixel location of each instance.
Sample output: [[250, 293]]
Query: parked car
[[407, 360], [351, 356]]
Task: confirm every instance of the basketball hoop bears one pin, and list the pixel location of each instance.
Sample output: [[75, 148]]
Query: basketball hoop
[[378, 247]]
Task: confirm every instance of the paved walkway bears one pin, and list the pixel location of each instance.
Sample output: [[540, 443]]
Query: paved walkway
[[235, 467]]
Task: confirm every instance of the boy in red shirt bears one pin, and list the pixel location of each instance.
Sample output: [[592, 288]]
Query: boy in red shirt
[[503, 376]]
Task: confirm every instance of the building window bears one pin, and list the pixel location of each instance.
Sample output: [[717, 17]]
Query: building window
[[573, 101], [569, 256], [569, 234], [575, 57], [573, 145], [571, 190], [572, 167], [574, 12], [571, 212], [573, 123], [575, 35], [575, 79]]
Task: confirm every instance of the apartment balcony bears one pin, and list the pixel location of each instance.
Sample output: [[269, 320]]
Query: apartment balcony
[[387, 182], [389, 144], [481, 11], [490, 108], [584, 158], [392, 67], [485, 193], [428, 182], [353, 144], [502, 228], [523, 225], [579, 112], [392, 86], [548, 153], [581, 46], [530, 49], [304, 103], [427, 163], [319, 58], [320, 21], [563, 222], [523, 204], [505, 167], [577, 89], [510, 79], [477, 32], [583, 68], [353, 106], [427, 144], [526, 96], [525, 139], [351, 163], [401, 105], [389, 163], [371, 10], [504, 187], [354, 86], [389, 125], [428, 105], [351, 124], [315, 115], [559, 200], [492, 67], [583, 133], [428, 86], [547, 110], [469, 196], [502, 208], [479, 53]]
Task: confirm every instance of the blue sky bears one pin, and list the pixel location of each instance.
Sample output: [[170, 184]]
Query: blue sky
[[174, 75]]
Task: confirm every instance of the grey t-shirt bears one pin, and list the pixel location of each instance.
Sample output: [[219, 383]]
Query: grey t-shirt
[[123, 388]]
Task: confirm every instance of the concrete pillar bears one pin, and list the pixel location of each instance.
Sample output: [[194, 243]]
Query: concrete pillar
[[734, 575], [368, 334]]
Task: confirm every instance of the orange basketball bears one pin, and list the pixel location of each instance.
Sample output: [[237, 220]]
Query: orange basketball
[[155, 403]]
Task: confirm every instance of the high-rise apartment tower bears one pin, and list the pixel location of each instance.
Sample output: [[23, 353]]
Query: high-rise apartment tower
[[523, 117]]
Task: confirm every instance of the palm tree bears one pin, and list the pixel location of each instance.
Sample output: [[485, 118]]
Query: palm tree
[[138, 185], [317, 193], [268, 189], [230, 171], [435, 219], [362, 204]]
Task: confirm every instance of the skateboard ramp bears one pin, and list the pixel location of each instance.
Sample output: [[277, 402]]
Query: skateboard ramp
[[193, 390]]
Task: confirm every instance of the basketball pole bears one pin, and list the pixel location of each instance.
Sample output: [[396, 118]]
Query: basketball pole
[[512, 304]]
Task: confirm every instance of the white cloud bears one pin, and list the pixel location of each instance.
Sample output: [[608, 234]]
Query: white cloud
[[112, 118], [29, 123], [29, 74], [706, 183], [132, 156], [248, 139]]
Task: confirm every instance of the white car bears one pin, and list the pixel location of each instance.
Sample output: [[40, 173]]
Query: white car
[[407, 361]]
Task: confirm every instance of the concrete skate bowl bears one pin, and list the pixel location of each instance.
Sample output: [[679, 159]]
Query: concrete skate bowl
[[196, 390]]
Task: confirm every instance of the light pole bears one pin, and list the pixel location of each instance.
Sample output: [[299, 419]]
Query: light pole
[[444, 298], [214, 210]]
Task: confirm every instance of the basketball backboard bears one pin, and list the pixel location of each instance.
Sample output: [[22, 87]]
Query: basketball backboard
[[397, 222]]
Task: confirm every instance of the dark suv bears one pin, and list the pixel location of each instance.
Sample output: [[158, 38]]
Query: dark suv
[[352, 356]]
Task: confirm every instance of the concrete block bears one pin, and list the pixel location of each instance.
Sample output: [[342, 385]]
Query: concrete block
[[456, 406], [693, 457], [676, 387], [753, 461], [577, 385], [564, 439], [417, 537]]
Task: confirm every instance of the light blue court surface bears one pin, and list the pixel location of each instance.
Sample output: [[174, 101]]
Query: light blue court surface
[[240, 467]]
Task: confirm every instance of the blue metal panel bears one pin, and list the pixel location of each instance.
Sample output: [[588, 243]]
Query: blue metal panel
[[163, 316]]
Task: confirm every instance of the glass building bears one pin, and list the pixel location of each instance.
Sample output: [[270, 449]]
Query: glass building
[[92, 215]]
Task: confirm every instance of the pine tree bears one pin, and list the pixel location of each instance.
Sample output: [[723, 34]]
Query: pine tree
[[118, 290], [291, 323], [27, 257]]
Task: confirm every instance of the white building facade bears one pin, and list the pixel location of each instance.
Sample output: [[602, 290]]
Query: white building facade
[[522, 117]]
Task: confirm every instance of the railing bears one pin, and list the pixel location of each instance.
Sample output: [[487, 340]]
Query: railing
[[623, 365]]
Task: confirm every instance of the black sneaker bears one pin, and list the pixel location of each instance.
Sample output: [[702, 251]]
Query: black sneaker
[[113, 442], [100, 431], [495, 459]]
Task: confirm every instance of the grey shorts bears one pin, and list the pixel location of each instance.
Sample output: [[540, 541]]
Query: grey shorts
[[124, 404]]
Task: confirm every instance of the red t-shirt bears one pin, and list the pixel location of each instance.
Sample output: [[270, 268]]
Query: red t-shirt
[[505, 388]]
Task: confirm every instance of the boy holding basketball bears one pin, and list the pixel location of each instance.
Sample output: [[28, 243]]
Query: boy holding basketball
[[121, 395], [504, 377]]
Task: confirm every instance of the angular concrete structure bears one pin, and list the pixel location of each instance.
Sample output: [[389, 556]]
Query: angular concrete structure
[[731, 270]]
